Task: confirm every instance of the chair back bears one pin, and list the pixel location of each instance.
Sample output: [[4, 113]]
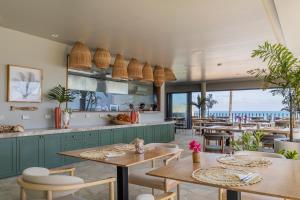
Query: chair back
[[259, 154], [162, 145]]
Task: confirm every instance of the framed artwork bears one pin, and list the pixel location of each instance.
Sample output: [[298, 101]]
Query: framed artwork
[[24, 84]]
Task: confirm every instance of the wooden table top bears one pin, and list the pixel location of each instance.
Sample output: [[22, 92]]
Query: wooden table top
[[285, 131], [129, 159], [280, 179]]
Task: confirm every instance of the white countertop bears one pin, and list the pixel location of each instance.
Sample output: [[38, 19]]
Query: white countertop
[[34, 132]]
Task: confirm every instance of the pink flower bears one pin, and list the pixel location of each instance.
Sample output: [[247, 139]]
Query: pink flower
[[195, 146]]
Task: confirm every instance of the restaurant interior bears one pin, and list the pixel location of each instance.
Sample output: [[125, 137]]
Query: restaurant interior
[[149, 100]]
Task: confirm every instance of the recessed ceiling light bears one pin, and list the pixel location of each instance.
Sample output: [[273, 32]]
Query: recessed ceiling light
[[237, 74], [219, 64], [54, 35]]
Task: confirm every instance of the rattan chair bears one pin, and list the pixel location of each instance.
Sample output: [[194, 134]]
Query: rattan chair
[[40, 183]]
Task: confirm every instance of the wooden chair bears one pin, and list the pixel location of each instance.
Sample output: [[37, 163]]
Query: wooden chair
[[140, 178], [219, 140], [165, 196], [51, 191]]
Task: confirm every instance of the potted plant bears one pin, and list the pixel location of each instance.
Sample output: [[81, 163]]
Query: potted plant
[[283, 74], [61, 95], [196, 148]]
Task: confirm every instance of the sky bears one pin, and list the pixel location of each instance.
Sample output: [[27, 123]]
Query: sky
[[243, 100]]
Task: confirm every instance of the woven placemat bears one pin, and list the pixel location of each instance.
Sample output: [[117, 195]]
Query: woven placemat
[[124, 147], [244, 161], [225, 176], [101, 154]]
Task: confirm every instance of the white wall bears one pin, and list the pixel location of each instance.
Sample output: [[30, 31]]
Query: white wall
[[27, 50]]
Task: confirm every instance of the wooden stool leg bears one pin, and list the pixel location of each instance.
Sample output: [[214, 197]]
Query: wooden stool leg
[[49, 195], [178, 192], [221, 191], [22, 194]]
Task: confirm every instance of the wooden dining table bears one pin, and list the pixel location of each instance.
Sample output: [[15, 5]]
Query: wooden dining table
[[281, 179], [122, 163], [273, 130]]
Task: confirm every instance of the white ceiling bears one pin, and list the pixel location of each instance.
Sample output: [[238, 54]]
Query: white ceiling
[[190, 36]]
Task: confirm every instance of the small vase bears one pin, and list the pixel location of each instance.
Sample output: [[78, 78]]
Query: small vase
[[196, 157], [66, 119], [57, 117]]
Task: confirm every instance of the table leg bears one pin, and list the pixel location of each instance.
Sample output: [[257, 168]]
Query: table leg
[[122, 183], [233, 195]]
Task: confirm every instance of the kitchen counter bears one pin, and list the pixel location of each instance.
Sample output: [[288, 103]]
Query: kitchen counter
[[33, 132]]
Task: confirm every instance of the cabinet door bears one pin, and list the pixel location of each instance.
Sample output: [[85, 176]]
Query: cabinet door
[[140, 132], [8, 166], [52, 146], [148, 134], [105, 137], [91, 139], [157, 131], [130, 134], [28, 154], [72, 141], [119, 135]]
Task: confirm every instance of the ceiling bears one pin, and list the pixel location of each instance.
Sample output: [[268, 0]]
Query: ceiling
[[192, 37]]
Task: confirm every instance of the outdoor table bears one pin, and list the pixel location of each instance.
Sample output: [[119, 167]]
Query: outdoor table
[[281, 179], [123, 162]]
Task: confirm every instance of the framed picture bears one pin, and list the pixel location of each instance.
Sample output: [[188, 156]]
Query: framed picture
[[24, 84]]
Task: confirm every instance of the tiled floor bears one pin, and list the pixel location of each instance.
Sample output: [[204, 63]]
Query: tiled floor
[[91, 171]]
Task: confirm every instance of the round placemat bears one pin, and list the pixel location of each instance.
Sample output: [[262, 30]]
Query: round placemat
[[124, 147], [244, 161], [225, 176]]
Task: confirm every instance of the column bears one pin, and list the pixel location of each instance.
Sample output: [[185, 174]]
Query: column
[[203, 97]]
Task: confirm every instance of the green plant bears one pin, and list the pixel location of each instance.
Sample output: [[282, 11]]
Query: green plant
[[283, 72], [60, 94], [249, 141], [289, 154]]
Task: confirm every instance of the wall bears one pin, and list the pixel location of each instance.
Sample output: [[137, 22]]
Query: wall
[[27, 50]]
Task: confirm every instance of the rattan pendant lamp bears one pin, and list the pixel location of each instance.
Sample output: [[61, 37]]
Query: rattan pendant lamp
[[80, 57], [148, 73], [169, 75], [135, 71], [159, 76], [102, 58], [119, 70]]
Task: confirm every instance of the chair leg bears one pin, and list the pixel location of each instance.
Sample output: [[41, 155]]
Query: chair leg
[[221, 191], [22, 194], [49, 195], [111, 191], [153, 191], [178, 192]]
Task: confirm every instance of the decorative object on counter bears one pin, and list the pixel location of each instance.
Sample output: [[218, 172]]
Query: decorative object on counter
[[159, 76], [102, 58], [27, 108], [139, 145], [61, 95], [119, 70], [222, 176], [9, 128], [66, 117], [244, 161], [120, 119], [80, 57], [24, 84], [196, 148], [147, 73], [134, 116], [169, 75], [135, 71]]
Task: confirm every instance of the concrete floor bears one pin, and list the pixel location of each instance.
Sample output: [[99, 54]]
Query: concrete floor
[[88, 170]]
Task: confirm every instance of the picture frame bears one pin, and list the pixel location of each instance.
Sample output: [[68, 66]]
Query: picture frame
[[24, 84]]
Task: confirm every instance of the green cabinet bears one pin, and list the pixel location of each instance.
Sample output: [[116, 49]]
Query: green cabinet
[[8, 165], [105, 137], [148, 134], [130, 134], [119, 135], [91, 139], [29, 152], [72, 141], [140, 132], [52, 146]]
